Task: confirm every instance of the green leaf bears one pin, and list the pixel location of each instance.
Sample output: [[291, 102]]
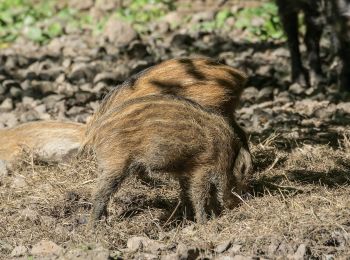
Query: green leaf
[[34, 34], [54, 30]]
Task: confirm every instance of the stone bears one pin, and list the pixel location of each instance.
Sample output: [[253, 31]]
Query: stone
[[15, 92], [18, 182], [108, 5], [3, 168], [8, 119], [82, 73], [6, 105], [223, 247], [241, 257], [145, 244], [109, 78], [29, 214], [204, 16], [45, 248], [137, 50], [265, 94], [181, 41], [296, 89], [302, 251], [186, 252], [81, 5], [19, 251], [250, 94], [119, 32], [94, 254]]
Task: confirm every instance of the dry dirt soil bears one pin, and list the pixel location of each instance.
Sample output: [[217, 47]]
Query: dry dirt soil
[[300, 204]]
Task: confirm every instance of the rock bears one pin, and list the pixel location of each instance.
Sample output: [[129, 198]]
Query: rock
[[18, 182], [235, 249], [296, 89], [19, 251], [185, 252], [15, 92], [144, 244], [7, 84], [204, 16], [109, 78], [82, 73], [3, 168], [224, 257], [302, 252], [6, 105], [81, 5], [119, 32], [265, 94], [174, 19], [223, 247], [43, 87], [173, 256], [108, 5], [344, 106], [241, 257], [94, 254], [83, 97], [29, 214], [137, 50], [181, 41], [8, 119], [50, 74], [250, 94], [45, 248]]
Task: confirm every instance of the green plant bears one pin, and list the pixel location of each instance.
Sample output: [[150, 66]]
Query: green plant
[[268, 28]]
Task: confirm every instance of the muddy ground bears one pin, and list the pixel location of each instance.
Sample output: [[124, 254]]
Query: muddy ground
[[299, 137]]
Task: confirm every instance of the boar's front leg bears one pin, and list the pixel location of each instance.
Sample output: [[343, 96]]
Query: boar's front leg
[[289, 19], [107, 184], [341, 13], [200, 193]]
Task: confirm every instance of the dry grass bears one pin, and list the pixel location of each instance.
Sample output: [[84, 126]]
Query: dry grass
[[300, 196]]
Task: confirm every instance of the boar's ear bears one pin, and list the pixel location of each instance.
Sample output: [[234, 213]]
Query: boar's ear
[[243, 165]]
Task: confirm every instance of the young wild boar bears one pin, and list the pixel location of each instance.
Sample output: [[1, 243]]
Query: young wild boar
[[211, 84], [315, 17], [169, 135], [49, 140]]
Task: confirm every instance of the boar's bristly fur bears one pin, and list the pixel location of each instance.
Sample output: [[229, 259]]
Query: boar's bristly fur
[[169, 135]]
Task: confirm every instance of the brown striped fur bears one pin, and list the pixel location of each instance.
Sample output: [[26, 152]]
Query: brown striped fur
[[168, 135], [211, 84], [50, 140]]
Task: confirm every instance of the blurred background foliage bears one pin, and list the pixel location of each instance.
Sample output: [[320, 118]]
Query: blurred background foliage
[[42, 20]]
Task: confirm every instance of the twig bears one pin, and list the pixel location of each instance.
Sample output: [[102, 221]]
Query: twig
[[172, 214]]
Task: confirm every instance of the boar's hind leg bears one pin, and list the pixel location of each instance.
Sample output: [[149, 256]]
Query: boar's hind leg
[[107, 184], [314, 24], [185, 197]]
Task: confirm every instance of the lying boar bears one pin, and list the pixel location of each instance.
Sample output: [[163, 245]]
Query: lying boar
[[49, 140], [169, 135]]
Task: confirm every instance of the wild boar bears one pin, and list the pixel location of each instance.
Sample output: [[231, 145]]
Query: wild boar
[[165, 134], [317, 13], [49, 140]]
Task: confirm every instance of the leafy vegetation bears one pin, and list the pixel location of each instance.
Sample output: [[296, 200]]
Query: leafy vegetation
[[262, 21], [40, 20], [266, 17]]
